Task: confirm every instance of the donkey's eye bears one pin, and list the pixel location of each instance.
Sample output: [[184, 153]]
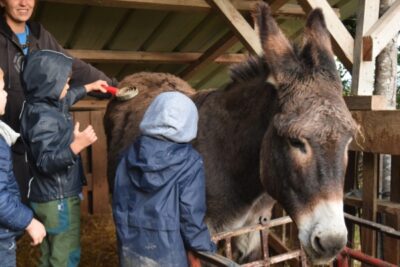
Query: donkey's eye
[[297, 143]]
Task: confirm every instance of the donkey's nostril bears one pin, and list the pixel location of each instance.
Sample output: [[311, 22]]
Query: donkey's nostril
[[328, 244], [317, 244]]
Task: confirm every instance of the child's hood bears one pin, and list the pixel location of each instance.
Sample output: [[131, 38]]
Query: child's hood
[[172, 116], [45, 74], [151, 163], [9, 135]]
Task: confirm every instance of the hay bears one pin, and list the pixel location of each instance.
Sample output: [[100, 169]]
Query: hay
[[98, 243]]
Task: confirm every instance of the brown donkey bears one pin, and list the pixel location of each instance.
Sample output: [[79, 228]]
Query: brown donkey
[[280, 129]]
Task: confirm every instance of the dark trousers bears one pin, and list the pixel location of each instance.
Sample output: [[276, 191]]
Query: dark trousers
[[22, 174]]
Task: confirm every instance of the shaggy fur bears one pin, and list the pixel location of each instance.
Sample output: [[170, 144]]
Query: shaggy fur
[[258, 137]]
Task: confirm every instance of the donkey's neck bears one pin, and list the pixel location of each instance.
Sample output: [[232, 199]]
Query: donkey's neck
[[232, 124]]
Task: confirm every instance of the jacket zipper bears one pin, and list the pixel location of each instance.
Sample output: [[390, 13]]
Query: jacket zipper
[[60, 187]]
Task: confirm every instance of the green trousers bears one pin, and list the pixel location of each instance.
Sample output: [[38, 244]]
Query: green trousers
[[61, 218]]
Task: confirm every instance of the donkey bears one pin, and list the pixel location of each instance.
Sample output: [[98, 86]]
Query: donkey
[[279, 129]]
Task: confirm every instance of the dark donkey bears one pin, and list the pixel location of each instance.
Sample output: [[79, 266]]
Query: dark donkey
[[280, 128]]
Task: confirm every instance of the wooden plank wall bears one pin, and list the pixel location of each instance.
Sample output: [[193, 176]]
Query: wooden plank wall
[[96, 197], [381, 131]]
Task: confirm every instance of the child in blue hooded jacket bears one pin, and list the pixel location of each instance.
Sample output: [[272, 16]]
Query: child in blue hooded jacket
[[159, 195], [14, 215]]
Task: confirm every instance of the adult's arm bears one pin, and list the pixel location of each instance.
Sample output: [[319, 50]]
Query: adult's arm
[[82, 72]]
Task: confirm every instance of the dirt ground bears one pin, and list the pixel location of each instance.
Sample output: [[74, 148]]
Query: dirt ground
[[98, 243]]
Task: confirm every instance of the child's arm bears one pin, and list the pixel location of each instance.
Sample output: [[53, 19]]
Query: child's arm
[[192, 209], [13, 214], [82, 139], [49, 154], [76, 93]]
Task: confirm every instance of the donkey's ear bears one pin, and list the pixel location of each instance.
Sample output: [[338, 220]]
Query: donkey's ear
[[279, 53], [317, 48]]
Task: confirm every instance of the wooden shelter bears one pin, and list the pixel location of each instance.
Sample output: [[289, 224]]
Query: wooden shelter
[[198, 39]]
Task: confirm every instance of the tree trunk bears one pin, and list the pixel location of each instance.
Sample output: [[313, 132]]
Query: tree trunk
[[385, 84]]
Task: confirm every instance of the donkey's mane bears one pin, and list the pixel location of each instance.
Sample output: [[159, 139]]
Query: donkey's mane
[[254, 69]]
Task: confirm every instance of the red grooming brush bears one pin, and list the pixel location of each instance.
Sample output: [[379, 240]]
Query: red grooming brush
[[110, 89]]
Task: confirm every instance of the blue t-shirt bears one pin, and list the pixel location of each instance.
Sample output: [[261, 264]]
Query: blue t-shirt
[[23, 39]]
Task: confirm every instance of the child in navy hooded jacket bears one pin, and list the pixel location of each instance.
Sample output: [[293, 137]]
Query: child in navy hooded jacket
[[53, 145], [159, 196]]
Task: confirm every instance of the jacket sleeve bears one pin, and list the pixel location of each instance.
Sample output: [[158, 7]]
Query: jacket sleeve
[[82, 72], [50, 156], [74, 94], [192, 209], [13, 214]]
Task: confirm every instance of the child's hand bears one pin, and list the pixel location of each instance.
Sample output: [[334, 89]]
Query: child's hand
[[97, 85], [82, 139], [193, 261], [36, 231]]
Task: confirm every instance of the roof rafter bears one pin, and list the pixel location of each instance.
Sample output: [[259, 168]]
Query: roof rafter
[[179, 5], [246, 34], [227, 41], [107, 56]]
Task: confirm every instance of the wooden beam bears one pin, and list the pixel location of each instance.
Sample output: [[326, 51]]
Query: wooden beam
[[239, 25], [383, 206], [364, 72], [88, 104], [343, 43], [369, 199], [375, 102], [379, 35], [276, 4], [212, 53], [178, 5], [103, 56], [380, 130], [392, 246]]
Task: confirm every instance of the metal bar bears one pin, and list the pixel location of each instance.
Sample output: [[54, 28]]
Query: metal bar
[[358, 255], [215, 259], [342, 260], [264, 244], [248, 229], [228, 248], [372, 225], [275, 259]]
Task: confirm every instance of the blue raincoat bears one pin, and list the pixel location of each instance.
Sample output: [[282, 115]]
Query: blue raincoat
[[159, 196]]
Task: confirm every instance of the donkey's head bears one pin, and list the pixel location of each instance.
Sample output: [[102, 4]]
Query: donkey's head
[[304, 152]]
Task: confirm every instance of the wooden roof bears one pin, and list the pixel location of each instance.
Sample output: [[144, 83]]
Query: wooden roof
[[188, 38]]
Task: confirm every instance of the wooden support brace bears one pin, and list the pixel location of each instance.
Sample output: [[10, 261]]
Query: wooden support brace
[[379, 35], [239, 25]]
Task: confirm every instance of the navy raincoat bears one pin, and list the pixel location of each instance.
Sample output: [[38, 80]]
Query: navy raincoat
[[47, 127], [159, 196]]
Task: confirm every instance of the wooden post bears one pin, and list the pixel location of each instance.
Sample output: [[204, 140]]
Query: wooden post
[[369, 197], [84, 119], [101, 201], [364, 71], [391, 247], [349, 183]]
